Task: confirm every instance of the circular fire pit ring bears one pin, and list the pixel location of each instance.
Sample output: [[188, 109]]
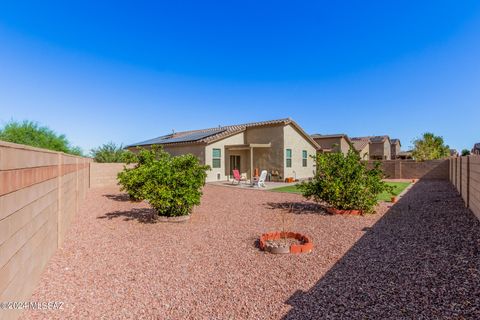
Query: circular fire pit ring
[[285, 242]]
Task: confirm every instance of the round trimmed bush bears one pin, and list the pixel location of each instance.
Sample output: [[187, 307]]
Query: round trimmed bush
[[344, 182], [171, 185]]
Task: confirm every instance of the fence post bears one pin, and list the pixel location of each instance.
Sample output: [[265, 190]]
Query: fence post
[[456, 174], [468, 183], [450, 169], [461, 175]]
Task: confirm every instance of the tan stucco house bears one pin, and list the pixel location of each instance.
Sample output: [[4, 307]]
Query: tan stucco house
[[279, 146], [373, 147], [333, 142], [395, 148], [362, 145]]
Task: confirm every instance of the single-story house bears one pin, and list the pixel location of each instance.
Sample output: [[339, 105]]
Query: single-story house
[[395, 148], [333, 142], [279, 146], [379, 147]]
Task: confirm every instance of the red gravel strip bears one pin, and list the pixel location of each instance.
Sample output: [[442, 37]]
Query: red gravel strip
[[116, 265], [420, 261]]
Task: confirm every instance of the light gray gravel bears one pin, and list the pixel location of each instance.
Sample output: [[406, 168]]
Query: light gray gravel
[[117, 265]]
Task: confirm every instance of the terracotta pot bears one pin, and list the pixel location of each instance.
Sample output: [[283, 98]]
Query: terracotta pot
[[393, 199], [348, 212]]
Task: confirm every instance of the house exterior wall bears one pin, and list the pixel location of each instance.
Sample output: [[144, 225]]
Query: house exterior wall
[[337, 144], [196, 150], [381, 149], [221, 174], [395, 149], [364, 153], [296, 141]]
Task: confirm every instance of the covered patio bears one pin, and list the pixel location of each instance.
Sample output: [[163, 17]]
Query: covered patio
[[242, 157]]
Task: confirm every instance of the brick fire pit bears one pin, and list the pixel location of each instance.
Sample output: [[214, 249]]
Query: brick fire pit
[[305, 244]]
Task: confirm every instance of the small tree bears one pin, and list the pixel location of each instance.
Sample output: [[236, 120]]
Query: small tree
[[344, 182], [32, 134], [430, 147], [465, 152], [111, 153], [171, 185]]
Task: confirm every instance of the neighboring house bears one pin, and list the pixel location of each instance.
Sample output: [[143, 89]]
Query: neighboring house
[[404, 155], [379, 147], [395, 148], [333, 142], [362, 145], [279, 146], [476, 149], [454, 153]]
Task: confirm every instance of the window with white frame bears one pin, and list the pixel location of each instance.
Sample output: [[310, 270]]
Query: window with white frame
[[216, 158], [288, 157], [304, 158]]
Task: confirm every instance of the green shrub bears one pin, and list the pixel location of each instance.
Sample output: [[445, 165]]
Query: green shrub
[[111, 153], [344, 182], [171, 185], [32, 134], [430, 147]]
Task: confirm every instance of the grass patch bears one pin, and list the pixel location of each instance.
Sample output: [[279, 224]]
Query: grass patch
[[398, 187], [287, 189]]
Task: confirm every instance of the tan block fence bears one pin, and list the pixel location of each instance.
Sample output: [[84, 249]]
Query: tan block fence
[[411, 169], [40, 192], [465, 176]]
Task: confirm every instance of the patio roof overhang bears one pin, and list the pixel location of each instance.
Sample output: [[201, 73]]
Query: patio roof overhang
[[248, 146]]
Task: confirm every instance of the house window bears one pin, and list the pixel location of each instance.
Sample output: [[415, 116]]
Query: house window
[[216, 158], [304, 158], [289, 158]]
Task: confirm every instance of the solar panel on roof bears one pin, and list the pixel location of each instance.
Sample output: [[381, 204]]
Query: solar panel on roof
[[195, 136]]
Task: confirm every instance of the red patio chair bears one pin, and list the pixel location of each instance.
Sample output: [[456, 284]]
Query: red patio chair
[[237, 177]]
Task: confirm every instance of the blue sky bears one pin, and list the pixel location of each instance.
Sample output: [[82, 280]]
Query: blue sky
[[130, 71]]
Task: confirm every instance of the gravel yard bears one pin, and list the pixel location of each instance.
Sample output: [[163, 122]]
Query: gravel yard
[[422, 258]]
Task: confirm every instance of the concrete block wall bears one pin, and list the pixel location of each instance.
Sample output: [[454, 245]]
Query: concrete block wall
[[104, 174], [40, 192], [410, 169], [465, 177]]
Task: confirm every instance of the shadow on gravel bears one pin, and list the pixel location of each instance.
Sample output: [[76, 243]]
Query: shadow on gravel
[[119, 197], [421, 260], [142, 215], [298, 207]]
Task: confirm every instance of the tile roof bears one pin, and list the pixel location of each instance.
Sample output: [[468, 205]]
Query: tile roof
[[337, 135], [327, 136], [359, 143], [373, 139], [214, 134]]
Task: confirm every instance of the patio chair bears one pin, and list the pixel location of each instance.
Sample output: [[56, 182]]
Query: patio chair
[[237, 177], [261, 180]]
